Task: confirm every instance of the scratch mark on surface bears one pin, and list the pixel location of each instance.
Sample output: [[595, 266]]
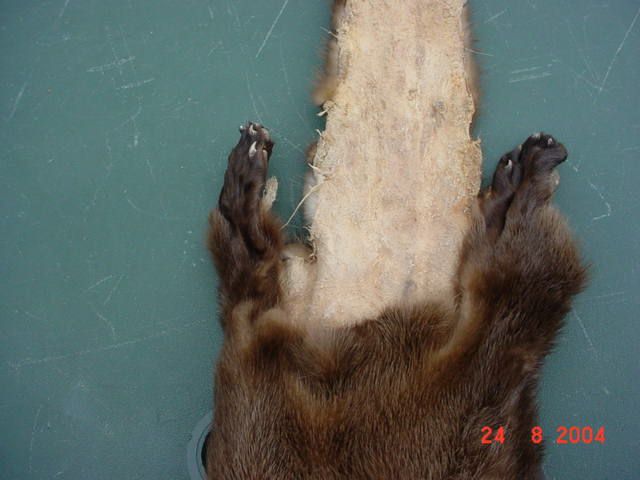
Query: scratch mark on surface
[[106, 348], [288, 141], [585, 42], [150, 214], [108, 66], [606, 390], [113, 51], [584, 331], [63, 9], [527, 78], [113, 290], [99, 282], [33, 437], [585, 59], [108, 168], [631, 149], [618, 50], [210, 11], [107, 145], [264, 106], [478, 52], [284, 72], [608, 295], [266, 38], [253, 100], [237, 19], [136, 132], [293, 145], [522, 70], [135, 84], [146, 160], [108, 323], [31, 315], [576, 168], [585, 80], [215, 47], [497, 15], [17, 101], [606, 204], [604, 300]]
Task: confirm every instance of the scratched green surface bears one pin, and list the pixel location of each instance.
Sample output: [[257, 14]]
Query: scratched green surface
[[115, 120], [573, 69]]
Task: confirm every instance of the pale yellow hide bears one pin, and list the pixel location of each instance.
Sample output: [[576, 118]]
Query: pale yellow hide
[[395, 170]]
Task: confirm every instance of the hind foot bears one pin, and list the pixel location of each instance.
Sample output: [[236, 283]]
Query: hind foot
[[526, 173], [244, 183]]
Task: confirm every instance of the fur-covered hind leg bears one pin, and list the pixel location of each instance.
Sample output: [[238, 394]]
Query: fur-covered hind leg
[[245, 237], [520, 267]]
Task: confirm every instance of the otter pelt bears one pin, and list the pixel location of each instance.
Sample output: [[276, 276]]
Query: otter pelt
[[406, 393], [393, 175]]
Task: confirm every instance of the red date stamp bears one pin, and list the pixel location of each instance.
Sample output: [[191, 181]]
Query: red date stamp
[[564, 435]]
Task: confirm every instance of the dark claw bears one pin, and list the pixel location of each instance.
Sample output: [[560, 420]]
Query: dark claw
[[255, 133]]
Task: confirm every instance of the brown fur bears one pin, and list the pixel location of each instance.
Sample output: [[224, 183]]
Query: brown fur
[[404, 395], [328, 78]]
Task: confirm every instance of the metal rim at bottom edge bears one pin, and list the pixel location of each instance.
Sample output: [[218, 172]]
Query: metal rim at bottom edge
[[195, 445]]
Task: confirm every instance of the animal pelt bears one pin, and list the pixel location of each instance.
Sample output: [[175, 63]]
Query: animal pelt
[[393, 175], [404, 394]]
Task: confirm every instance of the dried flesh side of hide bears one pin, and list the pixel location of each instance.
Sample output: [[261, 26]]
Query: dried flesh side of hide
[[394, 173]]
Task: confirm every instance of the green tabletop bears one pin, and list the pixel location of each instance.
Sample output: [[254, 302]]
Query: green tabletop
[[115, 121]]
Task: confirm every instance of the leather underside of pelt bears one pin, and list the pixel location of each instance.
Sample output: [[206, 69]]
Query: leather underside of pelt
[[395, 171]]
